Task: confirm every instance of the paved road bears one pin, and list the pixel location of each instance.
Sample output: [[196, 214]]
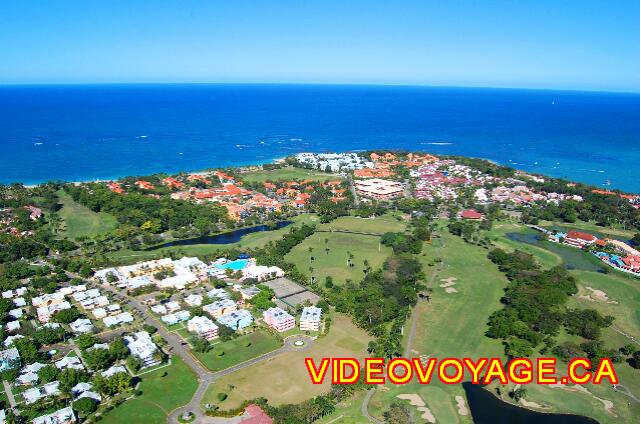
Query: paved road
[[209, 377], [364, 409]]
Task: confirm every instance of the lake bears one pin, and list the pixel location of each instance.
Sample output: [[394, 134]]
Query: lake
[[223, 238], [488, 409]]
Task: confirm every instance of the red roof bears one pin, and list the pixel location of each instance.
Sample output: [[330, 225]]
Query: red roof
[[471, 214], [577, 235], [256, 415]]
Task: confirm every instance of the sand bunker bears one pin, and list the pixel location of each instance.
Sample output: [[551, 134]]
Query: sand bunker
[[607, 404], [596, 296], [414, 399], [448, 283], [462, 406], [427, 414], [535, 405], [451, 290]]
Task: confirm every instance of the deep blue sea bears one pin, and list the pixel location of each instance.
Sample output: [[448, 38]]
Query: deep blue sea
[[106, 131]]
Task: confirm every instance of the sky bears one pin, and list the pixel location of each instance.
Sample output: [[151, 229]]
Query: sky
[[568, 44]]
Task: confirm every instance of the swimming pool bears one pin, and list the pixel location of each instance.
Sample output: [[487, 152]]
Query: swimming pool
[[236, 265]]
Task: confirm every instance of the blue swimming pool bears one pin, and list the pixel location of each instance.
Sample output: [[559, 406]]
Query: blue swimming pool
[[236, 265]]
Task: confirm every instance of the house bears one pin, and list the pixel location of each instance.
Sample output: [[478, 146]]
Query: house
[[471, 214], [255, 415], [81, 325], [61, 416], [203, 326], [172, 306], [16, 313], [141, 346], [249, 292], [176, 317], [12, 326], [9, 359], [218, 293], [69, 362], [279, 319], [122, 318], [236, 320], [115, 369], [579, 239], [46, 312], [99, 313], [35, 394], [10, 339], [220, 307], [159, 309], [193, 300], [19, 302]]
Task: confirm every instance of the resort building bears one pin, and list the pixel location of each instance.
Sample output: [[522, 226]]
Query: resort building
[[377, 188], [176, 317], [236, 320], [310, 318], [81, 325], [261, 272], [141, 346], [35, 394], [279, 319], [579, 239], [471, 214], [220, 307], [203, 327], [122, 318]]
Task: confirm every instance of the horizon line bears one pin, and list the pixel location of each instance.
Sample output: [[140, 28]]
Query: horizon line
[[363, 84]]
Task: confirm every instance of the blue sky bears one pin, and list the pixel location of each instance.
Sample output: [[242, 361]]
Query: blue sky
[[539, 44]]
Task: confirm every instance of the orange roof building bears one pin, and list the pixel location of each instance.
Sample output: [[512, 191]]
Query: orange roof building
[[172, 183], [144, 185]]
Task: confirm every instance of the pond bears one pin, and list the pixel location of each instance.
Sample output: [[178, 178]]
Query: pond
[[488, 409], [224, 238], [572, 257]]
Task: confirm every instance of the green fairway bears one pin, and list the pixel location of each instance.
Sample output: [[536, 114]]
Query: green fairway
[[287, 174], [452, 324], [235, 350], [80, 221], [498, 236], [160, 395], [333, 262]]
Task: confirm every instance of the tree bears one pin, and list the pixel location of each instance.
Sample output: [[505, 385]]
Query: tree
[[86, 340], [48, 374], [118, 349], [66, 316], [398, 413], [98, 359], [518, 393], [28, 350], [85, 406]]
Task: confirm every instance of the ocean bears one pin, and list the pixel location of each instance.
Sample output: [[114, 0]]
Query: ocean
[[88, 132]]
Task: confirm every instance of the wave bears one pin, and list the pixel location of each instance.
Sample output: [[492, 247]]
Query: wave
[[295, 139], [38, 144], [438, 143]]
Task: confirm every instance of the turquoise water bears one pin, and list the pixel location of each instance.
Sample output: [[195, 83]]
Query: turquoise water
[[104, 131], [236, 265]]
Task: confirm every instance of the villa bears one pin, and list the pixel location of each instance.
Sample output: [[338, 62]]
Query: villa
[[61, 416], [81, 325], [141, 346], [279, 319], [9, 359], [35, 394], [122, 318], [203, 326], [310, 318], [236, 320]]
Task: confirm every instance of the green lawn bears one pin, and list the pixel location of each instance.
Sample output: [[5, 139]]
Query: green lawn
[[160, 395], [287, 174], [235, 351], [80, 221], [284, 379]]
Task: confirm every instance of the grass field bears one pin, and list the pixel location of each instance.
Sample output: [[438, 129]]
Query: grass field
[[235, 351], [498, 236], [287, 174], [160, 395], [334, 262], [253, 240], [80, 221], [284, 379]]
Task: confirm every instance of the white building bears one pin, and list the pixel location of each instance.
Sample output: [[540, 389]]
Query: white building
[[81, 325], [220, 307], [203, 326], [141, 346], [61, 416], [310, 318]]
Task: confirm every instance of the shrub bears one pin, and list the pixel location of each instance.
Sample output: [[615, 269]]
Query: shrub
[[222, 396]]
